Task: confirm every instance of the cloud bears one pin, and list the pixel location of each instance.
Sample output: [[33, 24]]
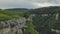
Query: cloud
[[43, 4], [15, 4], [46, 3], [28, 3]]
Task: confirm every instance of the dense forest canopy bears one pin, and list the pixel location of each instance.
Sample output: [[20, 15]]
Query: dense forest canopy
[[44, 24], [46, 10]]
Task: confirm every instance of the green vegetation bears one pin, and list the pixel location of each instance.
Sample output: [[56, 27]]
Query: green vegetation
[[5, 14], [44, 24], [40, 24], [30, 29], [26, 15]]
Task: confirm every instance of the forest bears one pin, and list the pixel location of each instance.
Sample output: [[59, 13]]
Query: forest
[[44, 24]]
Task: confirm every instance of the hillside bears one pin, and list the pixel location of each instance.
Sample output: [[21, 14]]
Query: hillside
[[5, 14], [46, 10], [45, 19], [13, 22], [42, 23], [18, 9]]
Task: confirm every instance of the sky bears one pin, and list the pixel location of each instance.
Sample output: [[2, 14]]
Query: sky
[[4, 4]]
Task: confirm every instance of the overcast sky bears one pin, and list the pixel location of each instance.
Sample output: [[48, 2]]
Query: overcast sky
[[28, 3]]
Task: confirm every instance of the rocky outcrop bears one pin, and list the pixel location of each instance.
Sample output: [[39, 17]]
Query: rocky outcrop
[[11, 23], [13, 26]]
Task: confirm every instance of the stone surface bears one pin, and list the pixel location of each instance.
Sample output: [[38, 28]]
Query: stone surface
[[13, 26]]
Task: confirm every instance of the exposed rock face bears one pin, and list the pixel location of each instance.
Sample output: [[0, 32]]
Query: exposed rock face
[[57, 31], [12, 22], [14, 25]]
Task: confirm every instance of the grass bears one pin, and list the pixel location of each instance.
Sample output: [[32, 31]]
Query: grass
[[3, 17], [4, 14], [30, 29]]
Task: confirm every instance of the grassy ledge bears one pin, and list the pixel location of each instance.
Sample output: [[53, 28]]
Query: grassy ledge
[[4, 14], [30, 29]]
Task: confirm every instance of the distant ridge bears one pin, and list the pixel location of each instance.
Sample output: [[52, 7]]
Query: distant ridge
[[18, 9], [46, 10]]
